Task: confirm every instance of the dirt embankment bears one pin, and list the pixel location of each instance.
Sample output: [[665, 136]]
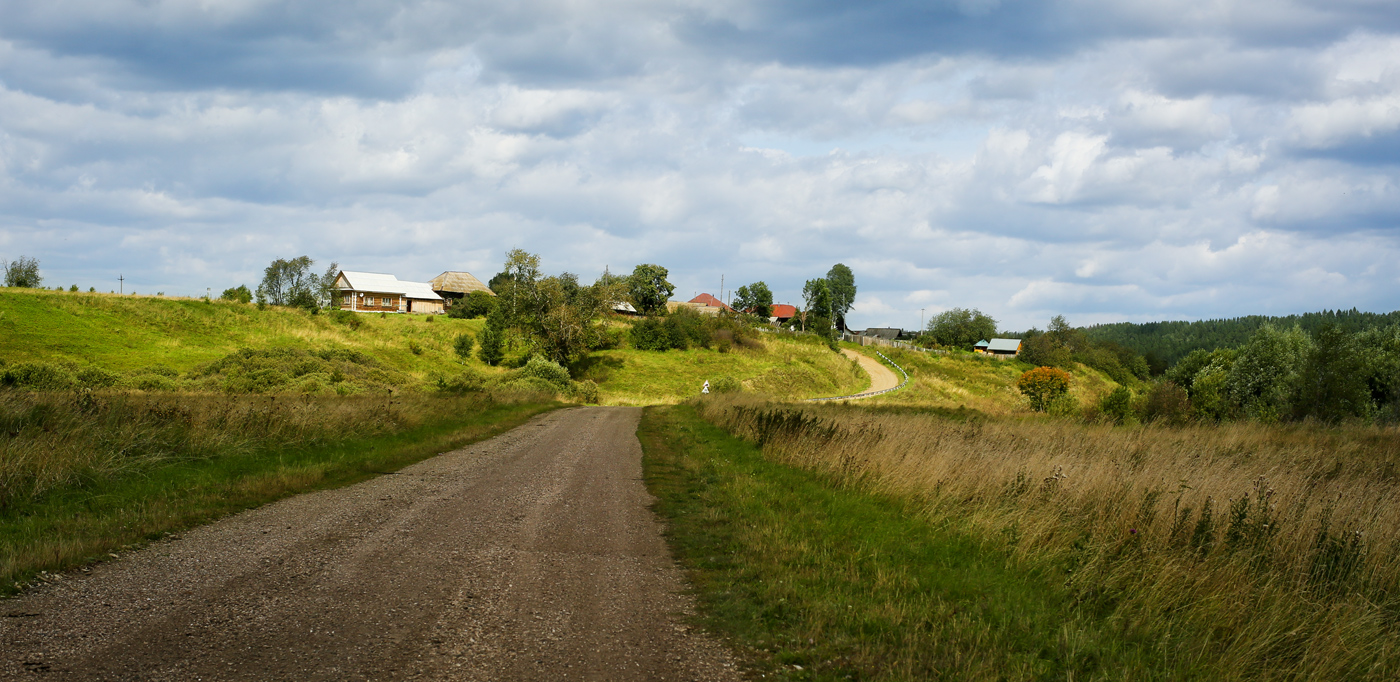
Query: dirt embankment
[[529, 556]]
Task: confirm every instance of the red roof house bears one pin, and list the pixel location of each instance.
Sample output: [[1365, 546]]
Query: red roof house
[[709, 301], [782, 311]]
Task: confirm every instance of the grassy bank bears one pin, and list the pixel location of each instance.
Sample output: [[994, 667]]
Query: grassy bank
[[814, 580], [84, 474], [783, 366], [975, 382], [1240, 551], [157, 344], [136, 335]]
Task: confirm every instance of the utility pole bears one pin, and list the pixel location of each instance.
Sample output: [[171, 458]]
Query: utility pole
[[121, 284], [921, 320]]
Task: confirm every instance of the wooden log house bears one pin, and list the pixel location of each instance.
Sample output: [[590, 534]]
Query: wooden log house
[[374, 292]]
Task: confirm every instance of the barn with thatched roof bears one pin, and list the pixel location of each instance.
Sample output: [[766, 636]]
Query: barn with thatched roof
[[455, 285]]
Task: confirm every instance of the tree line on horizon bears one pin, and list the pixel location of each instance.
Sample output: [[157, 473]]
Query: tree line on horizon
[[1170, 341]]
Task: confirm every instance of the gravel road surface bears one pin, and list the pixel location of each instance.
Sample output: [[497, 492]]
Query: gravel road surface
[[532, 556], [881, 377]]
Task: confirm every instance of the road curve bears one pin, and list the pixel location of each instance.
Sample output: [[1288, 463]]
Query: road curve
[[881, 377], [532, 556]]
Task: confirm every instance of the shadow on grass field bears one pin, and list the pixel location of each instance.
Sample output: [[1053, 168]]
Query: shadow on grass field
[[813, 580]]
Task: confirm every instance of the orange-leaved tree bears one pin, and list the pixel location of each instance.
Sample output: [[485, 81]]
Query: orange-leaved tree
[[1043, 385]]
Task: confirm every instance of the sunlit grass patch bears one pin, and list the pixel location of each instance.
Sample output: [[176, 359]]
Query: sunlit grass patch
[[811, 579], [787, 368]]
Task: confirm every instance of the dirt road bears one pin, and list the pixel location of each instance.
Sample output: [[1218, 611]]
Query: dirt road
[[531, 556], [881, 377]]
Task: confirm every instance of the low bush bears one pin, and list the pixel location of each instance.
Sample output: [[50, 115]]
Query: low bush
[[473, 305], [1165, 403], [347, 318], [281, 369], [726, 384], [1044, 386], [544, 369], [463, 345], [1117, 405], [96, 377], [584, 391], [686, 328], [41, 376]]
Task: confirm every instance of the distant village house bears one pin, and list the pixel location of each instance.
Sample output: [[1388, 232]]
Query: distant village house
[[999, 348], [374, 292], [706, 304], [780, 313]]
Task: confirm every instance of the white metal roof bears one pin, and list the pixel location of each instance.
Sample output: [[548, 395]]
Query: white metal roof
[[381, 283], [1004, 345]]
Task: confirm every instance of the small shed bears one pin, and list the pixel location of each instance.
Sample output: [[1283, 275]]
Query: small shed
[[1004, 348], [453, 285], [377, 292], [980, 346]]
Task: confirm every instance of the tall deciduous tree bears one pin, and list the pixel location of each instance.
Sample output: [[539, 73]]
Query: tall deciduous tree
[[754, 298], [1333, 383], [290, 282], [648, 288], [326, 290], [1264, 377], [841, 283], [23, 272], [517, 289], [816, 296]]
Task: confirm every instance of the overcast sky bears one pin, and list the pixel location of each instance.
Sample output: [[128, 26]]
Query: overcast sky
[[1105, 160]]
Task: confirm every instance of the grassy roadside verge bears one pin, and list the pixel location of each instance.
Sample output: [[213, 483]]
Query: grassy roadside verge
[[97, 514], [814, 581]]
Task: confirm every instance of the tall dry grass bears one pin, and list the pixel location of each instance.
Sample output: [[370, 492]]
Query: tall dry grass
[[1258, 552]]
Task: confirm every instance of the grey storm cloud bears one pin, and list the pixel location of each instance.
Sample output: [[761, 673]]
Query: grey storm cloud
[[1106, 160]]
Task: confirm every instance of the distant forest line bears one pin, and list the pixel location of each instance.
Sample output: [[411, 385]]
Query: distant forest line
[[1168, 342]]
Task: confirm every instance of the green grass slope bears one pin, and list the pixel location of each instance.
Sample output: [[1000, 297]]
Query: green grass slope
[[126, 334], [156, 343], [785, 367]]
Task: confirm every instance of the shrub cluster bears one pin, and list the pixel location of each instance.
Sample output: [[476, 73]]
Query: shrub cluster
[[539, 375], [686, 328]]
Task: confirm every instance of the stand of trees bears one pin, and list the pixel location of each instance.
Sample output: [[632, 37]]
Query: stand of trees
[[1278, 374], [1062, 345], [555, 315], [754, 298], [293, 283], [960, 328], [1168, 342]]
